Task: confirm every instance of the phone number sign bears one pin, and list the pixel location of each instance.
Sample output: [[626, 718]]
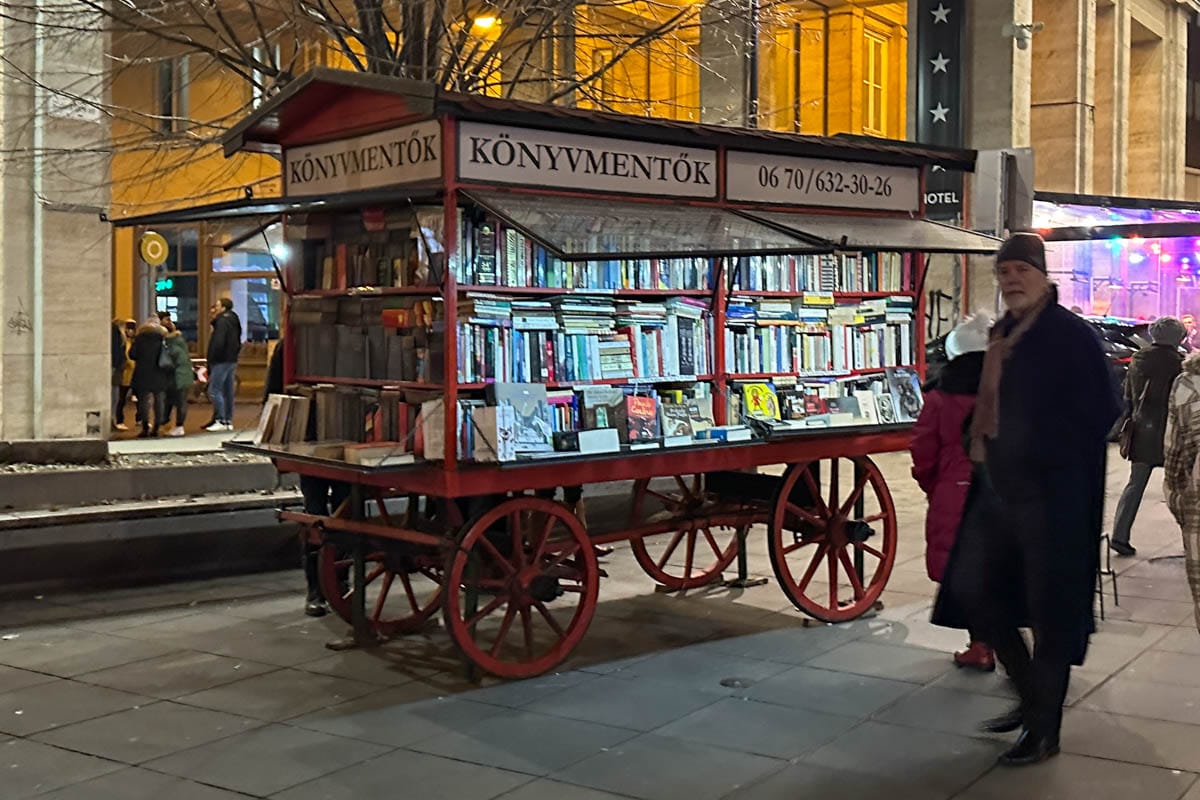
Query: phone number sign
[[786, 180]]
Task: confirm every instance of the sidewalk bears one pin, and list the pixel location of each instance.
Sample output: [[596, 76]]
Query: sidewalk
[[221, 690]]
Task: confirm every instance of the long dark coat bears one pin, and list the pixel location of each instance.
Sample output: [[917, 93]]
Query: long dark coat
[[1147, 388], [1044, 484], [148, 376]]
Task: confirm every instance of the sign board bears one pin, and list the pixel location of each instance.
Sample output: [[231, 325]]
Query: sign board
[[786, 180], [153, 248], [400, 155], [550, 159], [938, 96]]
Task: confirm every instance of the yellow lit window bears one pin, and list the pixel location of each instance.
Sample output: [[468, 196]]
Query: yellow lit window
[[600, 57], [875, 84]]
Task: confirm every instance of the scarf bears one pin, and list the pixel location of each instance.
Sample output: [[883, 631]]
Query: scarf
[[986, 419]]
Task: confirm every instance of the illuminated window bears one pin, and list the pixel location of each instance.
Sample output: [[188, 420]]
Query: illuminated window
[[874, 84], [600, 57]]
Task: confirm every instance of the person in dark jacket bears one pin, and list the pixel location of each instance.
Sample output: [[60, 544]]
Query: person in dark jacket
[[1028, 550], [150, 380], [118, 359], [940, 464], [223, 347], [182, 379], [1147, 389]]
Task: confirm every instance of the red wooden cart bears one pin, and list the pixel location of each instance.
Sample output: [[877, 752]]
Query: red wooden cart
[[514, 574]]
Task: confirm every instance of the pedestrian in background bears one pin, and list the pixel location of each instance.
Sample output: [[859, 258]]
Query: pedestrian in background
[[118, 357], [224, 345], [1152, 371], [1028, 551], [152, 374], [182, 379], [1181, 451], [940, 463]]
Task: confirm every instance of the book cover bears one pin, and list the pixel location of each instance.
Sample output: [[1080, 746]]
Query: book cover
[[642, 417], [791, 404], [844, 405], [604, 407], [533, 431], [676, 420], [884, 409], [700, 410], [760, 400], [867, 407], [905, 388]]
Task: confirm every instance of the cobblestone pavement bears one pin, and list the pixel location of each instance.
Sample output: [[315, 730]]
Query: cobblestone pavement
[[221, 689]]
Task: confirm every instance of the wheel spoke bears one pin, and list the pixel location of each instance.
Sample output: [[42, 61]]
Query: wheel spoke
[[408, 591], [518, 544], [812, 569], [814, 491], [383, 594], [509, 615], [675, 540], [791, 548], [375, 573], [859, 486], [495, 554], [497, 601], [880, 517], [852, 574], [666, 500], [689, 554], [833, 578], [713, 543], [550, 620], [866, 548], [540, 550], [571, 550], [805, 514]]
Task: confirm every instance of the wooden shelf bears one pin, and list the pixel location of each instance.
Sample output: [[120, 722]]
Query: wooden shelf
[[367, 382], [367, 291], [735, 293], [544, 290], [608, 382], [763, 376]]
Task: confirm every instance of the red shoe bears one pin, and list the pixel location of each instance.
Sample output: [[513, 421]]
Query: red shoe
[[978, 656]]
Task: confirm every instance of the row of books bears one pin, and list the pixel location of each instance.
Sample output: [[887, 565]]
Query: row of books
[[580, 338], [840, 272], [894, 398]]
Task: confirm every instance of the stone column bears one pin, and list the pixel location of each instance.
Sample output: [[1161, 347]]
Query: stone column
[[727, 47], [1110, 142], [1063, 89], [55, 256]]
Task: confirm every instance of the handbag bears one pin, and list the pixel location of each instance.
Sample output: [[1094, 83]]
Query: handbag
[[165, 362], [1125, 435]]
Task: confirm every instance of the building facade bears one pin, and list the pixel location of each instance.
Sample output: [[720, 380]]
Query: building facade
[[55, 246]]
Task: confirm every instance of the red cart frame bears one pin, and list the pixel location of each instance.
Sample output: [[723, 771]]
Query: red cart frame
[[514, 573]]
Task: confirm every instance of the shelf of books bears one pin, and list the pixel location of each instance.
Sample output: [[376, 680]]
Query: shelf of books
[[559, 357]]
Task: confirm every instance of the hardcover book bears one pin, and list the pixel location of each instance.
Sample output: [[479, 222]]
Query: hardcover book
[[905, 387], [760, 400], [642, 416], [533, 432], [676, 421], [604, 407]]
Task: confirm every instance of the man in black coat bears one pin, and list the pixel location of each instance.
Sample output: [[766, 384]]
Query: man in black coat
[[1148, 382], [224, 345], [1031, 533]]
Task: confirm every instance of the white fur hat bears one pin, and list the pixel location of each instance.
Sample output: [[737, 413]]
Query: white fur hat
[[969, 336]]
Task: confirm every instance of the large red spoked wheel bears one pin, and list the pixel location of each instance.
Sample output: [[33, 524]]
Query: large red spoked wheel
[[831, 517], [524, 584], [403, 585], [682, 559]]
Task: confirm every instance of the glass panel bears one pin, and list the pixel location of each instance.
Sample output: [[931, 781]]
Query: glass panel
[[578, 227], [252, 255], [178, 295], [257, 302], [882, 233]]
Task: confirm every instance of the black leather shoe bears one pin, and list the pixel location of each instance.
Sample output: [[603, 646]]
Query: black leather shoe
[[1122, 548], [1005, 723], [1030, 749], [315, 608]]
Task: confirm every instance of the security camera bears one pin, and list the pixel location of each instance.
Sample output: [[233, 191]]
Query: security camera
[[1021, 32]]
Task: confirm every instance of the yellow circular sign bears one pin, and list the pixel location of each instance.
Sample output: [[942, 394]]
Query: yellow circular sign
[[153, 248]]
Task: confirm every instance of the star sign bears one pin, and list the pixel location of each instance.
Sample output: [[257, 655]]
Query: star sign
[[939, 113], [941, 14], [939, 64]]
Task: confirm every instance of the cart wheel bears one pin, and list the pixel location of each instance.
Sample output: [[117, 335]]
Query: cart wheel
[[404, 586], [525, 585], [833, 558], [687, 558]]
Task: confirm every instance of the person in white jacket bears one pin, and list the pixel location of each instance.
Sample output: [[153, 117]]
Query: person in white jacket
[[1182, 446]]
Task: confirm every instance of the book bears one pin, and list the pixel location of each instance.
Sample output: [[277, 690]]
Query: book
[[867, 407], [727, 433], [700, 412], [266, 419], [904, 385], [676, 420], [642, 418], [495, 429], [759, 399], [532, 429], [885, 410], [376, 454], [604, 407]]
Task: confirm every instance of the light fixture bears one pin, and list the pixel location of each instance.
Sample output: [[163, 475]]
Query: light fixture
[[280, 251], [1136, 258], [1165, 258], [485, 23]]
